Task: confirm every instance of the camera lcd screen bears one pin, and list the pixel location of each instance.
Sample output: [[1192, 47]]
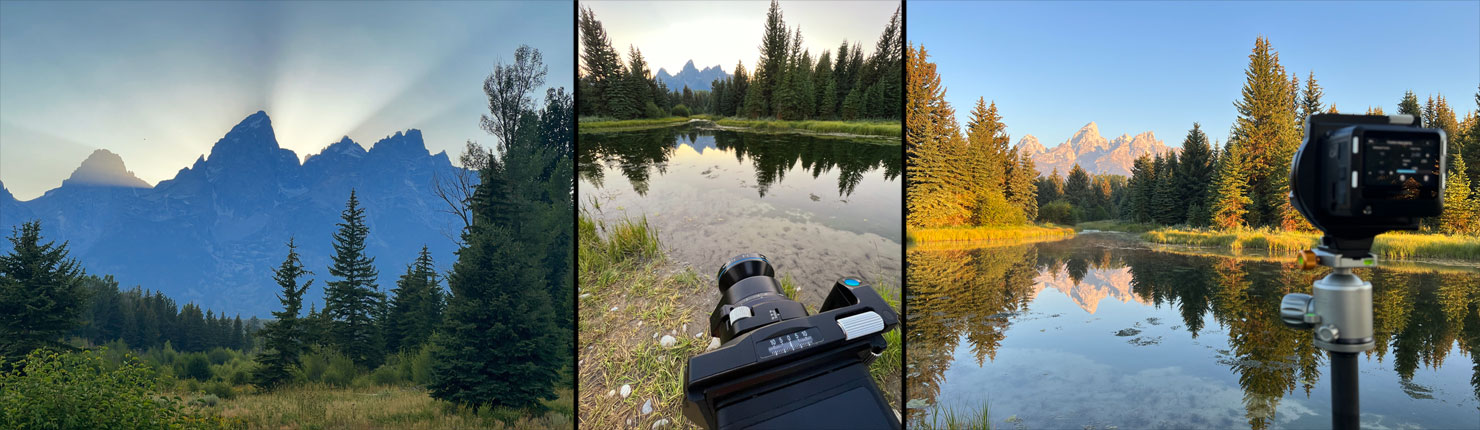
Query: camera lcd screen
[[1399, 166]]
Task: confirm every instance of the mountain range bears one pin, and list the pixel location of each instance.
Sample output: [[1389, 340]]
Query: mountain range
[[693, 77], [1092, 152], [214, 233]]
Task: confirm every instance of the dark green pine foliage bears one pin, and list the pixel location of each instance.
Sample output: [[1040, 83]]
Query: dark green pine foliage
[[1310, 101], [417, 308], [1409, 105], [283, 340], [738, 91], [501, 341], [1142, 187], [1077, 187], [353, 301], [822, 84], [1195, 172], [41, 294], [1166, 204], [771, 68]]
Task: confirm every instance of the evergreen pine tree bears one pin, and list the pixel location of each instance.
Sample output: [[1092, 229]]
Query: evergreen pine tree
[[501, 341], [1142, 185], [417, 309], [738, 91], [1022, 192], [823, 85], [41, 294], [1077, 188], [1266, 136], [932, 149], [1310, 101], [1195, 173], [352, 302], [1408, 105], [283, 339], [986, 162], [1461, 212], [1167, 206], [1227, 204]]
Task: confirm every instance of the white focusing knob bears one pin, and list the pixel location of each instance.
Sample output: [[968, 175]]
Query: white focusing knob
[[1327, 333], [738, 313], [860, 325]]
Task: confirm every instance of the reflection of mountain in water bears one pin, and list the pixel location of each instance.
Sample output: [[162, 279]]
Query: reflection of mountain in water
[[973, 295], [638, 154], [1095, 286]]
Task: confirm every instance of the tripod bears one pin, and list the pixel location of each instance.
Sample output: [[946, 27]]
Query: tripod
[[1340, 312]]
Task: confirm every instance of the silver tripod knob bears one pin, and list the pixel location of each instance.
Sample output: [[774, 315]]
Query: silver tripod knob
[[1296, 311]]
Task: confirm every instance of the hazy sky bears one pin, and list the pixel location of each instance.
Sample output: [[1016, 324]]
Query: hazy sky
[[159, 83], [722, 33], [1052, 67]]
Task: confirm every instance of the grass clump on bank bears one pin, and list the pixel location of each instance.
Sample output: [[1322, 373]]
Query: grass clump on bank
[[601, 124], [988, 233], [1116, 225], [951, 419], [401, 407], [1396, 245], [630, 297], [864, 128]]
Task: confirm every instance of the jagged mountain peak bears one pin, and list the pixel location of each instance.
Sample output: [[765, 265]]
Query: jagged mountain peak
[[1029, 144], [1094, 153], [104, 168], [690, 76], [253, 135]]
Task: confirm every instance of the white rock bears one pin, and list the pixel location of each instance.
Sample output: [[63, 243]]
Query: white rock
[[613, 309], [647, 407], [713, 344], [667, 341], [663, 423], [611, 393], [585, 295], [626, 390]]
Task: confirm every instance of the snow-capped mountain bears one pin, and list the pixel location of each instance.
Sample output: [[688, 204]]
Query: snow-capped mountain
[[214, 233], [1093, 152], [693, 77]]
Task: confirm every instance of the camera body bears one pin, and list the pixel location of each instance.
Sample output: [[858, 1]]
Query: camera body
[[781, 368], [1357, 176]]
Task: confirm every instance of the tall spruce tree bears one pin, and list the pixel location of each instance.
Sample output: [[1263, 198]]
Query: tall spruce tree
[[1310, 100], [1266, 136], [1022, 192], [1409, 105], [601, 66], [1077, 188], [1195, 173], [41, 294], [932, 149], [500, 343], [1461, 212], [283, 339], [352, 302], [986, 164], [417, 308], [1142, 187], [1228, 205]]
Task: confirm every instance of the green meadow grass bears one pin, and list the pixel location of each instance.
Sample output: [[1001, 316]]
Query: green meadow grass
[[1396, 245], [865, 128]]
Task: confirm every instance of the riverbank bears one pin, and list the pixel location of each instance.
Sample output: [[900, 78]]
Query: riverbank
[[642, 317], [1393, 246], [956, 236], [606, 125], [856, 128], [398, 407]]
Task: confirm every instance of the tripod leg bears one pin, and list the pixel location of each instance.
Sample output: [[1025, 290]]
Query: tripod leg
[[1345, 409]]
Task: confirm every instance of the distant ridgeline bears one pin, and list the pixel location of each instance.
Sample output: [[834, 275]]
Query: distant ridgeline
[[214, 233], [691, 77]]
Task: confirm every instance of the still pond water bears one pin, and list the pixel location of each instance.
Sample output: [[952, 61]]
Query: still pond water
[[1100, 331], [820, 208]]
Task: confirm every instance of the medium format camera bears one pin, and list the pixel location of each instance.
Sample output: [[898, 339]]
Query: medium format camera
[[1357, 176], [1354, 177], [779, 368]]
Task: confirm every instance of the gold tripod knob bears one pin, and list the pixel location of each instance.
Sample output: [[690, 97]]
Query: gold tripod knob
[[1306, 259]]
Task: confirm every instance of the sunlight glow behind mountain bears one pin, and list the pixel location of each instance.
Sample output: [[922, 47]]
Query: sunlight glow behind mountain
[[157, 83]]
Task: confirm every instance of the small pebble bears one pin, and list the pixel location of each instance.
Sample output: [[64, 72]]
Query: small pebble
[[713, 344], [667, 341], [613, 309], [663, 423], [585, 295], [626, 390], [611, 393], [647, 407]]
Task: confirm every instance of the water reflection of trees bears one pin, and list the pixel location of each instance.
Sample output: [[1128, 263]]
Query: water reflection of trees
[[1420, 315], [771, 155]]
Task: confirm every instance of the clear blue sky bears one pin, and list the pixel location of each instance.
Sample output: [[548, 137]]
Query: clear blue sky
[[1053, 67], [159, 82]]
